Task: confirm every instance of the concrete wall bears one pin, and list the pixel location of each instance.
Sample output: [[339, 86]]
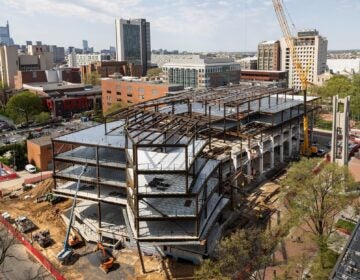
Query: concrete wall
[[8, 65]]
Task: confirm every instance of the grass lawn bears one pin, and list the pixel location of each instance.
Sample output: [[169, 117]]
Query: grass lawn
[[349, 226], [322, 273], [323, 124]]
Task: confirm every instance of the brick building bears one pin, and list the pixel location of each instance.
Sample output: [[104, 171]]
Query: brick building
[[106, 68], [260, 77], [269, 56], [71, 75], [130, 90], [39, 151]]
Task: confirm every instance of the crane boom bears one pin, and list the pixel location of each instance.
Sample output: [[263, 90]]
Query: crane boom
[[302, 73]]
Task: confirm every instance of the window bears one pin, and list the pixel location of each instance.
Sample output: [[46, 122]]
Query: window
[[118, 99], [154, 92], [129, 89], [118, 93], [141, 96], [141, 90], [108, 91]]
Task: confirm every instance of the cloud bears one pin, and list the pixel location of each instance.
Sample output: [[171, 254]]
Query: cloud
[[165, 15]]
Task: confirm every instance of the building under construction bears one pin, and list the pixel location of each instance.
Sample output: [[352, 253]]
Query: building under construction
[[164, 173]]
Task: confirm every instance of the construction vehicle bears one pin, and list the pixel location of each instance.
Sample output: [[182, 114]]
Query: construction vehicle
[[106, 260], [74, 239], [66, 253], [306, 149], [43, 238], [24, 225]]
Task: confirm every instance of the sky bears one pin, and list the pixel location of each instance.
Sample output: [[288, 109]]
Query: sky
[[184, 25]]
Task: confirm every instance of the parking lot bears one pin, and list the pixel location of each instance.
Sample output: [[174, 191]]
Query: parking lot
[[9, 135]]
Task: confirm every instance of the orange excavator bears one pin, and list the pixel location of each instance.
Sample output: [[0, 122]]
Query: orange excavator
[[107, 260]]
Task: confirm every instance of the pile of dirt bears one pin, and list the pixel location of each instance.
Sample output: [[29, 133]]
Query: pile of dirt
[[42, 188], [47, 214]]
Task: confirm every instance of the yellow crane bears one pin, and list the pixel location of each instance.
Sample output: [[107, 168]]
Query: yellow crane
[[306, 148]]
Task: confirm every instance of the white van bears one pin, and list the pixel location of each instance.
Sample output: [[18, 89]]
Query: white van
[[30, 168]]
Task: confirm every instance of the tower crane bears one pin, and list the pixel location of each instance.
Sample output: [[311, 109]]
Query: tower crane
[[306, 148]]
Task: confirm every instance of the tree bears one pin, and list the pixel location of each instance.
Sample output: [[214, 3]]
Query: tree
[[316, 199], [336, 85], [243, 254], [6, 242], [92, 78], [23, 106], [115, 107], [42, 117], [153, 72]]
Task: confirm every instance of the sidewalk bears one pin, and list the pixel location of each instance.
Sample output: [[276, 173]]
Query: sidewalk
[[22, 176]]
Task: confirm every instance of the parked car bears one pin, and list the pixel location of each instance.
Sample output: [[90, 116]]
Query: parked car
[[30, 168]]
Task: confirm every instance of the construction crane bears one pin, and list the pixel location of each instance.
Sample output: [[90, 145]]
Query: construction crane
[[306, 149], [65, 255]]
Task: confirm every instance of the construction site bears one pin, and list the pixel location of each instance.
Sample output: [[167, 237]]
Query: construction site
[[164, 176]]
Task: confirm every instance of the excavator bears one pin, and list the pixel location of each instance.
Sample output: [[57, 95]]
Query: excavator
[[107, 260], [306, 149]]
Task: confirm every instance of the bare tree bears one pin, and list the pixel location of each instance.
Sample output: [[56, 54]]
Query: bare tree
[[7, 240]]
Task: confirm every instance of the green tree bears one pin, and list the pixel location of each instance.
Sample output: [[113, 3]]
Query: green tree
[[42, 117], [93, 78], [317, 193], [23, 106], [243, 254], [153, 72], [336, 85], [115, 107]]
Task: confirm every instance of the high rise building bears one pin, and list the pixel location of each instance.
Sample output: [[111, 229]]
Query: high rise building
[[85, 45], [133, 42], [269, 56], [311, 49], [5, 38], [58, 52]]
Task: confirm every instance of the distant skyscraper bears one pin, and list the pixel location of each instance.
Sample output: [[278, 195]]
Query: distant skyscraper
[[269, 56], [28, 43], [311, 49], [85, 45], [5, 38], [133, 42]]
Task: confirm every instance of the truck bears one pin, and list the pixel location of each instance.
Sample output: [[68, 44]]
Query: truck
[[24, 224]]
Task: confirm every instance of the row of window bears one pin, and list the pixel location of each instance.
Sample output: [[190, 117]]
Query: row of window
[[141, 91]]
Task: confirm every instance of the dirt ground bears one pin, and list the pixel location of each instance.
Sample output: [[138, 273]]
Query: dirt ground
[[47, 217]]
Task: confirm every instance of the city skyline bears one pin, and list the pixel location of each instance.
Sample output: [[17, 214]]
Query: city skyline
[[226, 25]]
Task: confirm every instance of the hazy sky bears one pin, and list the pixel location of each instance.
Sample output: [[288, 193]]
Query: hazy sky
[[192, 25]]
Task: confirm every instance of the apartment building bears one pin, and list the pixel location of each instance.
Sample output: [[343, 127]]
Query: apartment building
[[269, 56], [77, 60], [198, 71], [11, 62], [132, 90], [105, 69], [311, 49]]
